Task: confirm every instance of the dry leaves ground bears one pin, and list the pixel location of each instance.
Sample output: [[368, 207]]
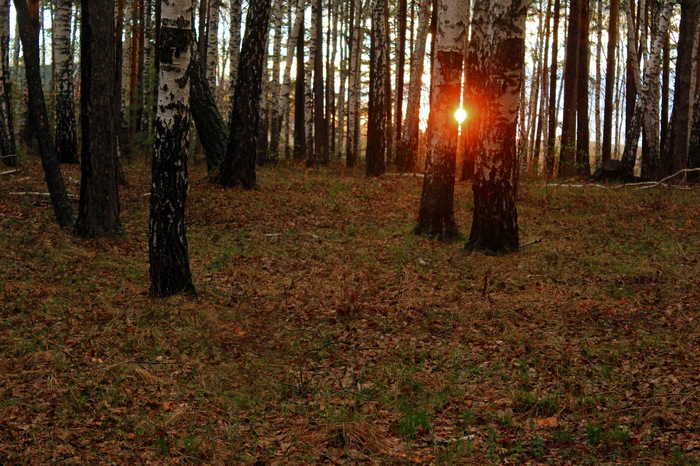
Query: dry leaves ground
[[326, 332]]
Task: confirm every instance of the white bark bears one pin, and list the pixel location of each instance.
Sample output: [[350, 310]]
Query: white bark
[[212, 43], [287, 76]]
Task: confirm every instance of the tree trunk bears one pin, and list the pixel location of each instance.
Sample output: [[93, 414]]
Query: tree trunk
[[7, 132], [285, 89], [354, 78], [238, 167], [583, 163], [66, 137], [98, 214], [606, 153], [495, 219], [378, 76], [320, 123], [436, 214], [300, 148], [567, 159], [168, 252], [234, 46], [212, 43], [552, 117], [210, 124], [400, 67], [28, 25], [682, 94], [275, 88]]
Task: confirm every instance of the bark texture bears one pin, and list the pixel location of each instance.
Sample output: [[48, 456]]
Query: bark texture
[[28, 25], [98, 213], [7, 131], [168, 251], [436, 214], [378, 81], [238, 167], [66, 137], [495, 218]]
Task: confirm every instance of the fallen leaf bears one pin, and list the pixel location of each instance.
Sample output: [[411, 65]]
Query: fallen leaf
[[548, 422]]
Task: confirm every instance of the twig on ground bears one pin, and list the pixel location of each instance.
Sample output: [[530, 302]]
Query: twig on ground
[[34, 193], [530, 243], [10, 172]]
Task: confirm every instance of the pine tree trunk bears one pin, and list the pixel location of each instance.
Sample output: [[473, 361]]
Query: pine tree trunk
[[534, 167], [168, 252], [332, 54], [495, 219], [238, 167], [320, 124], [583, 162], [300, 148], [682, 95], [436, 214], [550, 158], [7, 132], [408, 148], [309, 92], [610, 78], [567, 158], [66, 137], [98, 214], [28, 25], [378, 77], [400, 67]]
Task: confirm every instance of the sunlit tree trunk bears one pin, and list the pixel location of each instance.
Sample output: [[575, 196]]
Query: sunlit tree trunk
[[495, 218], [378, 76], [332, 54], [168, 253], [238, 167], [400, 67], [7, 132], [28, 25], [408, 148], [98, 214], [610, 77], [285, 89], [341, 109], [309, 91], [436, 214], [66, 137], [646, 112], [353, 136], [212, 42]]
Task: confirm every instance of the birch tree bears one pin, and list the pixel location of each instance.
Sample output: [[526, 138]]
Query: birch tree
[[285, 88], [610, 77], [495, 219], [66, 137], [355, 50], [234, 45], [7, 136], [168, 251], [378, 82], [436, 213], [98, 213]]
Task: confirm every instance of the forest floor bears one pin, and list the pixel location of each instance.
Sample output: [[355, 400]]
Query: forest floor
[[325, 331]]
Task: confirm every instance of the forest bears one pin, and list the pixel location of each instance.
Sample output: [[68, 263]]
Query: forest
[[372, 231]]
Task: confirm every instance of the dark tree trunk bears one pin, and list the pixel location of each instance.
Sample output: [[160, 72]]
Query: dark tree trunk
[[549, 161], [681, 114], [610, 82], [376, 130], [567, 159], [210, 124], [320, 123], [28, 23], [238, 167], [400, 68], [9, 149], [630, 83], [299, 99], [583, 163], [665, 90], [168, 253], [98, 214]]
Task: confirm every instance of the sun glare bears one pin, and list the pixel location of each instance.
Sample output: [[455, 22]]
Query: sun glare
[[460, 115]]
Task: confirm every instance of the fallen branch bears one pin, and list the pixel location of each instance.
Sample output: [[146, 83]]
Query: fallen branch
[[34, 193], [662, 182], [530, 243], [10, 172]]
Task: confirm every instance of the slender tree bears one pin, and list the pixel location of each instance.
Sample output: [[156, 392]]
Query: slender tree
[[583, 164], [407, 150], [98, 214], [168, 252], [234, 45], [7, 131], [378, 77], [549, 165], [436, 214], [567, 159], [610, 82], [285, 89], [300, 148], [28, 25], [400, 67], [495, 218], [321, 154], [238, 166], [355, 50], [66, 136]]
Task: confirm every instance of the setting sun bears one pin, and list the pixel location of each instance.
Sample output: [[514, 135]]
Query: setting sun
[[460, 115]]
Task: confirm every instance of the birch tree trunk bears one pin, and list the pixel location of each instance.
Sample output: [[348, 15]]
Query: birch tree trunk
[[275, 88], [234, 46], [98, 213], [644, 113], [285, 89], [168, 252], [238, 167], [610, 78], [378, 81], [66, 137], [300, 148], [352, 146], [212, 43], [7, 132], [495, 219], [309, 92], [549, 165], [320, 123], [436, 213]]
